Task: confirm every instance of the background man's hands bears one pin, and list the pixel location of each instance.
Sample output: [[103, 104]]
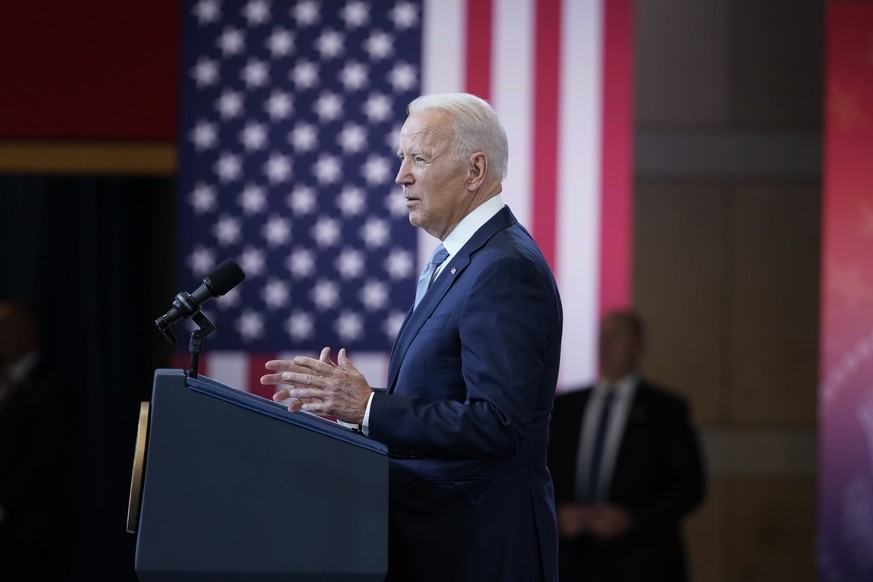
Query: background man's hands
[[601, 520]]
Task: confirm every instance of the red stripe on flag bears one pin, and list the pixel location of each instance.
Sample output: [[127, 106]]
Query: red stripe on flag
[[616, 203], [547, 63], [478, 57], [257, 368]]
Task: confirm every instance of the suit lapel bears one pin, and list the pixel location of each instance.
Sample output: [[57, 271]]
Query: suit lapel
[[636, 431], [441, 285], [415, 319]]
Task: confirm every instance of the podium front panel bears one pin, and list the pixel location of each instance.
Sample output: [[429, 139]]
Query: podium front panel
[[235, 487]]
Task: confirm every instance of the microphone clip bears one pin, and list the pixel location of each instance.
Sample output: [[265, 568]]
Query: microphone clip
[[196, 341], [195, 344]]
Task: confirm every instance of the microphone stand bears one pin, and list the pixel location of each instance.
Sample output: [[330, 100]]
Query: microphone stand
[[194, 345]]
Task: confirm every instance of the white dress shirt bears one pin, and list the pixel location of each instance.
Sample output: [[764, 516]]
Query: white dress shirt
[[454, 242], [623, 395]]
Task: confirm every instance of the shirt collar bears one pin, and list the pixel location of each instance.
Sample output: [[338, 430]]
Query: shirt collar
[[468, 225], [623, 387]]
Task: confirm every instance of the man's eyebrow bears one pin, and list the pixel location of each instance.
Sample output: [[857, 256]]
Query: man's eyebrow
[[411, 152]]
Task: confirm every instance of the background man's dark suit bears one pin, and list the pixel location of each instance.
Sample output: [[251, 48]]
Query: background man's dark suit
[[658, 478]]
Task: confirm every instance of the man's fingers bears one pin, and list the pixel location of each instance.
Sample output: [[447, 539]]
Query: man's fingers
[[280, 395], [321, 385], [345, 363], [296, 364], [271, 379], [279, 365], [298, 379], [319, 367], [306, 394]]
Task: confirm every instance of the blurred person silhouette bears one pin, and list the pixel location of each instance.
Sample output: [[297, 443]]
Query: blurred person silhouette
[[627, 468], [34, 434]]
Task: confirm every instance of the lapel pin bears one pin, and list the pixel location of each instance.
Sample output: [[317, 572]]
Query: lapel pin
[[453, 270]]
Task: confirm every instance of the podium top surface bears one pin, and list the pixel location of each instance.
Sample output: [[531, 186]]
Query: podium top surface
[[215, 389]]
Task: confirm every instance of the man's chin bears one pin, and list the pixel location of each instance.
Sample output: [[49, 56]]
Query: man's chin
[[415, 218]]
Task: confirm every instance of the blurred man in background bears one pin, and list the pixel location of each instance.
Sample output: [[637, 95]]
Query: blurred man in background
[[34, 434], [626, 466]]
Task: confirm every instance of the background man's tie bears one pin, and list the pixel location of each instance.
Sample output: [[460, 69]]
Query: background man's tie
[[427, 275], [597, 451]]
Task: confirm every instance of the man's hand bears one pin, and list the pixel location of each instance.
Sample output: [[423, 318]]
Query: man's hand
[[601, 520], [607, 521], [572, 519], [320, 386]]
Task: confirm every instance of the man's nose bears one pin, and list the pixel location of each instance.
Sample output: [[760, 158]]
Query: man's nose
[[403, 175]]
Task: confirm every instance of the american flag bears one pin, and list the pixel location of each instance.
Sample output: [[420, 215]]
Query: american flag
[[289, 124]]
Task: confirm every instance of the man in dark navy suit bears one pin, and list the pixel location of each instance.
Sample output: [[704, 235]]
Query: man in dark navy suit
[[473, 371], [626, 468]]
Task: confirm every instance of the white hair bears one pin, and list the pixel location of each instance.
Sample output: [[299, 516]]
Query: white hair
[[476, 127]]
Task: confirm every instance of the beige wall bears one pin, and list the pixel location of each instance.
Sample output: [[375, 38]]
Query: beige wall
[[726, 258]]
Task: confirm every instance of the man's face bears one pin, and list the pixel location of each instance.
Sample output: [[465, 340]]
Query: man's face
[[619, 346], [433, 179]]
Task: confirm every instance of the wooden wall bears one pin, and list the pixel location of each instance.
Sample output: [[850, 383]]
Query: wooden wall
[[726, 262]]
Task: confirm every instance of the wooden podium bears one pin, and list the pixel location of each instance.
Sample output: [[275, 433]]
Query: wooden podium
[[228, 486]]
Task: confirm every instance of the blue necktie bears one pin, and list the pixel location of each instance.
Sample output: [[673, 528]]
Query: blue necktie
[[597, 452], [427, 275]]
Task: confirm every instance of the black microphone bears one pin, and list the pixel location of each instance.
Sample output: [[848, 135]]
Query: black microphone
[[219, 281]]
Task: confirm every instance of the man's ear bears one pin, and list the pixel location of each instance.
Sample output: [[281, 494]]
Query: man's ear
[[477, 171]]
